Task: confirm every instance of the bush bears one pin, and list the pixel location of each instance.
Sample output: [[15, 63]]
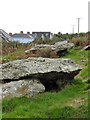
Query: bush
[[82, 41], [46, 53], [10, 47]]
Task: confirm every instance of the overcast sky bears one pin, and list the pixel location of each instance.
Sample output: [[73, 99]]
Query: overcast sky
[[43, 15]]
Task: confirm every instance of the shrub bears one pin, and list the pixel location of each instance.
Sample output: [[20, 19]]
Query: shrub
[[46, 53], [82, 41]]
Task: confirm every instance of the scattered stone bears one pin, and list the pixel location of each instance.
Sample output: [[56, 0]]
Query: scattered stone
[[86, 47], [20, 88], [77, 102]]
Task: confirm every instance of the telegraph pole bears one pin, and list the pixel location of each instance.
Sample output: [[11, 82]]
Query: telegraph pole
[[73, 28], [78, 24]]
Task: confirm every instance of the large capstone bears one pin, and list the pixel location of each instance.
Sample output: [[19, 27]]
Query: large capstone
[[61, 48], [52, 73]]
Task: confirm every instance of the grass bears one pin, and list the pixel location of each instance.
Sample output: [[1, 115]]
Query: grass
[[14, 50], [0, 109], [80, 57], [19, 54], [49, 104], [71, 102]]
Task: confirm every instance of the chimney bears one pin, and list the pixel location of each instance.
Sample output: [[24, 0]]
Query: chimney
[[28, 32], [21, 32], [10, 34]]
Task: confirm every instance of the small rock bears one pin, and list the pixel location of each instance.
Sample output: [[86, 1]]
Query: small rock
[[20, 88]]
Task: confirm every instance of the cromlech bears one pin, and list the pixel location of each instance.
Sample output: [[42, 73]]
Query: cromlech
[[44, 59], [46, 69]]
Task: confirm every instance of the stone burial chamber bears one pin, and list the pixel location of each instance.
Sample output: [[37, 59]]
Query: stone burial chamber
[[61, 48], [28, 77]]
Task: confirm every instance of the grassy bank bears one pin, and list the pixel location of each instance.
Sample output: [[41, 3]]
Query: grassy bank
[[71, 102], [80, 57]]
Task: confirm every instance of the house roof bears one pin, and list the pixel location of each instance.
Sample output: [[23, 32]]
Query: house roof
[[41, 32], [5, 36], [21, 35]]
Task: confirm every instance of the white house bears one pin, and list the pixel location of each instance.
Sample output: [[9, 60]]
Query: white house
[[23, 38]]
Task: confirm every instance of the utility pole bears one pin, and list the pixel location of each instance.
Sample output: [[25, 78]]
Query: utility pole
[[78, 24], [73, 28]]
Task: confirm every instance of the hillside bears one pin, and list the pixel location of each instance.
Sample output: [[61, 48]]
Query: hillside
[[15, 50], [70, 102]]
